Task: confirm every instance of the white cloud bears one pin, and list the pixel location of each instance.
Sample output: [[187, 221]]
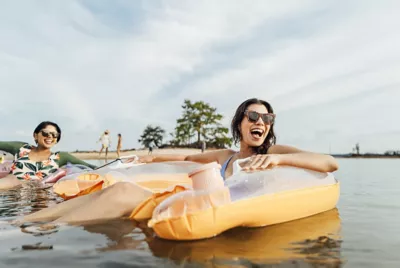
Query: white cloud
[[89, 68]]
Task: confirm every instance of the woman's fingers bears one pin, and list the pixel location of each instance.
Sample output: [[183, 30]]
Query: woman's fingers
[[129, 160], [141, 160], [270, 161], [145, 159], [248, 163], [266, 163], [259, 162], [254, 163], [263, 162]]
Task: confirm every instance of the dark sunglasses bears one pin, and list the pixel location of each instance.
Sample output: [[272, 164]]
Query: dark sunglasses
[[254, 116], [47, 134]]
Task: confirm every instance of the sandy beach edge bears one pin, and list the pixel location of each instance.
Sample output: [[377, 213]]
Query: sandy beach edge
[[113, 154]]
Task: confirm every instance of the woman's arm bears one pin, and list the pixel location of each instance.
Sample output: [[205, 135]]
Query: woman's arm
[[291, 156], [8, 182], [161, 158], [11, 147], [217, 155], [66, 157]]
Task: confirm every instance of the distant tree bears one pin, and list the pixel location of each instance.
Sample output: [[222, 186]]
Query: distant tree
[[183, 133], [202, 121], [219, 139], [151, 135]]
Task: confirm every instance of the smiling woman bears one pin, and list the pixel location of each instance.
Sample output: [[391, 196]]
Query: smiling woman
[[252, 128], [36, 162]]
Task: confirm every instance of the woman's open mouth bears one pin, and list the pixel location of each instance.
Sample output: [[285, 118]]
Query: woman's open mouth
[[48, 141], [257, 133]]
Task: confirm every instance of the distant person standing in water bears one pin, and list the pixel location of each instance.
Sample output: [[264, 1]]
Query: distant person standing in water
[[119, 145], [203, 146], [151, 148], [105, 142]]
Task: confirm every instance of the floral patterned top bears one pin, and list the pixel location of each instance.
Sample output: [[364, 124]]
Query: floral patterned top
[[25, 169]]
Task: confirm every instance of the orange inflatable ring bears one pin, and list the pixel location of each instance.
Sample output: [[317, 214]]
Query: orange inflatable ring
[[247, 199]]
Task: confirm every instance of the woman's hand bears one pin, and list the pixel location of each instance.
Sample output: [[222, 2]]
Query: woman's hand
[[145, 159], [262, 161]]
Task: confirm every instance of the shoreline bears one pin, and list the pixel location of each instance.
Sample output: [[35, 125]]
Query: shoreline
[[367, 156], [89, 155], [113, 154]]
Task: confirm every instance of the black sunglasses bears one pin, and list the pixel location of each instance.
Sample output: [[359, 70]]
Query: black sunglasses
[[254, 116], [47, 134]]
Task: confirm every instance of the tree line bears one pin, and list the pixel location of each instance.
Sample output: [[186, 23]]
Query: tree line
[[200, 122]]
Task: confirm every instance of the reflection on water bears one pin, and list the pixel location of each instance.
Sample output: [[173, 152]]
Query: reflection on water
[[311, 240], [369, 225], [26, 199], [314, 240]]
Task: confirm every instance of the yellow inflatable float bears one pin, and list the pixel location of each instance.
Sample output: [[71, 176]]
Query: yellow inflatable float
[[192, 201], [247, 199]]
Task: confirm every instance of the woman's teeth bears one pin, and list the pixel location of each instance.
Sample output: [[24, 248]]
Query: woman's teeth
[[48, 141], [256, 133]]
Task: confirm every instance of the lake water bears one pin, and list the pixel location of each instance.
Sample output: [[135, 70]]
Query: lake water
[[364, 231]]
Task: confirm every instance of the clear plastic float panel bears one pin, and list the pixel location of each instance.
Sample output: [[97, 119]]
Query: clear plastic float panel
[[128, 173], [156, 168], [242, 185]]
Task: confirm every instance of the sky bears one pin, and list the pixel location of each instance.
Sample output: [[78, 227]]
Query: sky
[[330, 69]]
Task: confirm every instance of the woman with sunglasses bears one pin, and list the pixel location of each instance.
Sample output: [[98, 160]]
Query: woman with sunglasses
[[36, 162], [252, 126]]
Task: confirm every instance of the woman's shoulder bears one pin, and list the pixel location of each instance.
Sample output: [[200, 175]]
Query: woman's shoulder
[[55, 156], [283, 149], [228, 152], [224, 154], [23, 152], [220, 155], [26, 147]]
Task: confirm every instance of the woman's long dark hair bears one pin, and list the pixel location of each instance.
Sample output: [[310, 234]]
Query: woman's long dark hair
[[237, 120], [45, 124]]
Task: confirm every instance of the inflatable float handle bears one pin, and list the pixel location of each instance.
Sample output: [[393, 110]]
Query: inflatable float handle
[[207, 177], [135, 157], [121, 164], [236, 165]]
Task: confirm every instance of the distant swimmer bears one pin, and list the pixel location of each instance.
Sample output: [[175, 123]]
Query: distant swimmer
[[105, 140]]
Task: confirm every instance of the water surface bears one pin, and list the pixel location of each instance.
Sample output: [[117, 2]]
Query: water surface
[[364, 231]]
